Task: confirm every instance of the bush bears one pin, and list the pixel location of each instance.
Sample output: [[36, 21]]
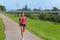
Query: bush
[[44, 16], [48, 16], [33, 16], [2, 34], [53, 18], [41, 16], [28, 15], [58, 19]]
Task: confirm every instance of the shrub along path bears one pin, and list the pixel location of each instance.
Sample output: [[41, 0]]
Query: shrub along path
[[2, 34]]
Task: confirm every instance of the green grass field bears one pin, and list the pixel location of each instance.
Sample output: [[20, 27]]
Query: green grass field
[[2, 35], [44, 29]]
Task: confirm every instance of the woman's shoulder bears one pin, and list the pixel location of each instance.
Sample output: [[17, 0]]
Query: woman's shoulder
[[25, 16]]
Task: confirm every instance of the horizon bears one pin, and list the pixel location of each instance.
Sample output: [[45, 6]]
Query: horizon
[[42, 4]]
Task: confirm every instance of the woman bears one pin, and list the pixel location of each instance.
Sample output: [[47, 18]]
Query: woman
[[22, 21]]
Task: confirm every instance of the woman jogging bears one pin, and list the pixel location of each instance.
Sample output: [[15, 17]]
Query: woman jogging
[[22, 22]]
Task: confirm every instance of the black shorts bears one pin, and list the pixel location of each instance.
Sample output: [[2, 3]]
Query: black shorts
[[22, 24]]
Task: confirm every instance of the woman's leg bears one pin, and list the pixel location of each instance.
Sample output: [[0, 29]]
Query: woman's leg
[[22, 31]]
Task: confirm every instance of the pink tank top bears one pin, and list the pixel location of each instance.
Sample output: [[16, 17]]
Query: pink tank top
[[23, 20]]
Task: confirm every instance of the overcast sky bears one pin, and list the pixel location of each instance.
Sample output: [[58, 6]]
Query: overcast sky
[[42, 4]]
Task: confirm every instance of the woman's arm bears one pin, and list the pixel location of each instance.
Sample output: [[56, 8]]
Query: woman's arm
[[26, 19], [19, 20]]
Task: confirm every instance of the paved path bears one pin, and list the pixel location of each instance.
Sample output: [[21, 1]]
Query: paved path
[[12, 30]]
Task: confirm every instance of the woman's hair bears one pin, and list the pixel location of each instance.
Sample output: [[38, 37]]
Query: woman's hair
[[21, 13]]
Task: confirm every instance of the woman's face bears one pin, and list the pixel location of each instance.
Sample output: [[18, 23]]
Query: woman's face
[[22, 14]]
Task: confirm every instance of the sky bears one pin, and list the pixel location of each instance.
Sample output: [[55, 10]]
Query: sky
[[42, 4]]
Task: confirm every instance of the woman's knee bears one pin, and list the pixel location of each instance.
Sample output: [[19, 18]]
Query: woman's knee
[[22, 29]]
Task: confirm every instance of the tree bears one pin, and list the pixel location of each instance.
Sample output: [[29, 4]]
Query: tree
[[46, 10], [55, 9], [25, 7], [2, 8]]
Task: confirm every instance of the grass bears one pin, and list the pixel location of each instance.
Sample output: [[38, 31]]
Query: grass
[[2, 35], [44, 29]]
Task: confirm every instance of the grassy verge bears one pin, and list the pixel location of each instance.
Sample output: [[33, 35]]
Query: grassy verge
[[2, 35], [44, 29]]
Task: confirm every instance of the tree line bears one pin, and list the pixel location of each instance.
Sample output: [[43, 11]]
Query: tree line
[[38, 9], [3, 8]]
